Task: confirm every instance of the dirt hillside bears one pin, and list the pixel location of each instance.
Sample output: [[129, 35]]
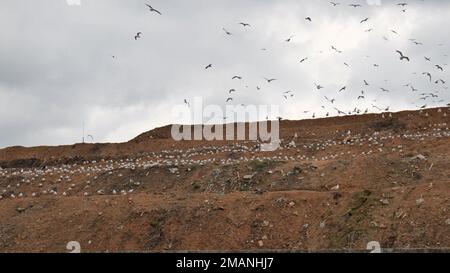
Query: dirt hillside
[[335, 184]]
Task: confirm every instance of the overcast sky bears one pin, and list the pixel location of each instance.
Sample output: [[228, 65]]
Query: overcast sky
[[57, 67]]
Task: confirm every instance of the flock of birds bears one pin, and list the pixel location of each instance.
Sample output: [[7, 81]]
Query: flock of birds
[[425, 98], [87, 178]]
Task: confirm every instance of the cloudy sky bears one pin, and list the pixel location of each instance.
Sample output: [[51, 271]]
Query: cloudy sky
[[57, 67]]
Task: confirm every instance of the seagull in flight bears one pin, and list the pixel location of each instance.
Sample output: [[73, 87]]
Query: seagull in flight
[[208, 66], [152, 9], [226, 31], [270, 80], [244, 24], [335, 49], [427, 74], [137, 36], [402, 57]]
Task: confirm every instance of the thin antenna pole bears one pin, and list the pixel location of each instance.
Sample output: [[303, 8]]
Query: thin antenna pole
[[83, 132]]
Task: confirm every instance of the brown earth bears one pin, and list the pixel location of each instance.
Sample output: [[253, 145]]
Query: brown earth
[[336, 184]]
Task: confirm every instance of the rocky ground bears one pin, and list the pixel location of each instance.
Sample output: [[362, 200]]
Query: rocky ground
[[335, 184]]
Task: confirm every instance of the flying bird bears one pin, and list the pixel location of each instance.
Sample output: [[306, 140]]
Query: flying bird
[[270, 80], [244, 24], [318, 86], [208, 66], [137, 36], [226, 31], [152, 9], [402, 57], [335, 49], [427, 74]]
